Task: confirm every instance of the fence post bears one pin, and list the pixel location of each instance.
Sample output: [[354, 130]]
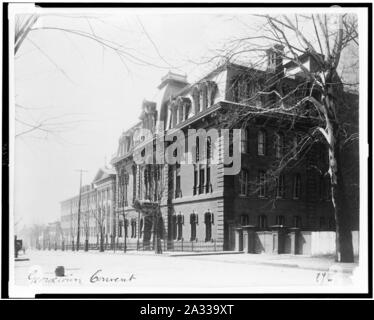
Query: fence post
[[182, 244], [192, 245], [215, 247]]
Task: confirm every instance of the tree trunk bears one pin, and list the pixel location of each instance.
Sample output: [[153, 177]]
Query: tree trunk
[[344, 246], [101, 242]]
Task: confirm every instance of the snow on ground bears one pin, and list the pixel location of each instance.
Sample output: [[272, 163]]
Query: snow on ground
[[161, 273]]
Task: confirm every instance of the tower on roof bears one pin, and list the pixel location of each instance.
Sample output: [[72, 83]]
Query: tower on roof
[[177, 80]]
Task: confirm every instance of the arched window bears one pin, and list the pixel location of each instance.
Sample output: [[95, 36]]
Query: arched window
[[243, 181], [209, 220], [261, 143], [279, 145], [194, 220]]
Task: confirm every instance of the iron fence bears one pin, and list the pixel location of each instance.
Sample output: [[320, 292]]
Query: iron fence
[[166, 246]]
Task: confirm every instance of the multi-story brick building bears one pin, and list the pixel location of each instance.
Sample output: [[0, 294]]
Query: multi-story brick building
[[201, 207], [96, 209]]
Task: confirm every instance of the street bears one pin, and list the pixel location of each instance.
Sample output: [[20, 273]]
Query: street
[[147, 272]]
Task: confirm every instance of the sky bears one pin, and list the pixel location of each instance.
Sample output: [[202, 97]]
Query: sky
[[92, 95]]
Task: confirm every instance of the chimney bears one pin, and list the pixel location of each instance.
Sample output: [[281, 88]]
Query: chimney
[[275, 59]]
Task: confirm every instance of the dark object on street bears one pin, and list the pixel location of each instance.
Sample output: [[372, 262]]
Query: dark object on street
[[17, 246], [60, 271]]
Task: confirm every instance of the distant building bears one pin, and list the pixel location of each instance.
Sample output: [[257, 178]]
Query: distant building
[[96, 212]]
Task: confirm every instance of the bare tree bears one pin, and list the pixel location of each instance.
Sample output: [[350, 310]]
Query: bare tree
[[86, 221], [99, 215], [26, 25], [73, 226], [321, 99]]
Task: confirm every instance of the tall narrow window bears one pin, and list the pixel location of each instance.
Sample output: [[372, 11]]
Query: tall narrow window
[[174, 227], [180, 222], [195, 180], [322, 223], [208, 149], [321, 187], [262, 222], [178, 191], [141, 227], [243, 181], [126, 228], [261, 143], [327, 188], [196, 100], [280, 221], [245, 140], [201, 180], [208, 225], [134, 183], [297, 222], [331, 223], [120, 227], [193, 221], [295, 148], [262, 184], [279, 145], [197, 149], [244, 220], [180, 113], [133, 228], [297, 186], [208, 183], [280, 186], [208, 155]]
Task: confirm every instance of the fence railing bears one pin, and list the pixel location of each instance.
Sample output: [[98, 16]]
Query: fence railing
[[165, 245]]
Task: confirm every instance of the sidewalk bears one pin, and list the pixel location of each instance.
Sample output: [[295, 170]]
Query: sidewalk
[[320, 263]]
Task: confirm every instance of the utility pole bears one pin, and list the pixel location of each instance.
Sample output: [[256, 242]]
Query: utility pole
[[79, 207]]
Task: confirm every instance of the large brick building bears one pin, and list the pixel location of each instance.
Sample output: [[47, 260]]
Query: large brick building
[[201, 207]]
